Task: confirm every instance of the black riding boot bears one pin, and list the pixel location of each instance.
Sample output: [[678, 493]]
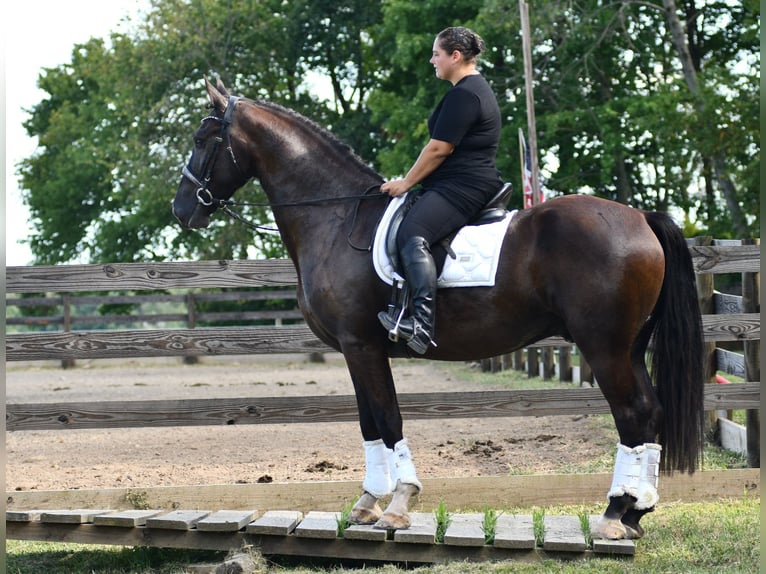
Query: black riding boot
[[420, 274]]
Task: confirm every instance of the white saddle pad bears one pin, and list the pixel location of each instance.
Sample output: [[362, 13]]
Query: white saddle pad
[[477, 248]]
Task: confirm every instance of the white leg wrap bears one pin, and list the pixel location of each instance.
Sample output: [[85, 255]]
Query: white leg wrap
[[377, 478], [636, 472], [402, 467]]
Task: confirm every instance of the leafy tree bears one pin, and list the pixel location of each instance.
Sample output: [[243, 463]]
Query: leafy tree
[[615, 114]]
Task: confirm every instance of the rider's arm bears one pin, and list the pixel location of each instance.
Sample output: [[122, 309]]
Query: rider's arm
[[431, 157]]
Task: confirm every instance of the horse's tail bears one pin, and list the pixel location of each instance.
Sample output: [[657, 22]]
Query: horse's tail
[[678, 352]]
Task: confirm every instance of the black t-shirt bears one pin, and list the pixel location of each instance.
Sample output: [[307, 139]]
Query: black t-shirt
[[468, 117]]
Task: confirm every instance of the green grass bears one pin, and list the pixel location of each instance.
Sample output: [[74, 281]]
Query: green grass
[[343, 518], [443, 520], [721, 536]]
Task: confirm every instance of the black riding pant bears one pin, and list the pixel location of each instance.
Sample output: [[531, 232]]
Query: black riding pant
[[433, 217]]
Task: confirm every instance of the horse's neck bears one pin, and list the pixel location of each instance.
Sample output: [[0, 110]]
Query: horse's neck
[[299, 163]]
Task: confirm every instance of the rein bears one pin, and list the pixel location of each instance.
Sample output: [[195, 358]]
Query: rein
[[226, 204]]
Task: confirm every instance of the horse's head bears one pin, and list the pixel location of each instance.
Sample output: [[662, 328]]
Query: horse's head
[[213, 173]]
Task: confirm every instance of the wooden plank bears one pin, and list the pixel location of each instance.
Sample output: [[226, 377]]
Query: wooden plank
[[365, 532], [465, 530], [275, 523], [725, 258], [421, 531], [732, 327], [157, 275], [78, 516], [22, 515], [318, 524], [263, 272], [177, 520], [268, 545], [162, 343], [730, 362], [226, 520], [259, 340], [605, 546], [126, 518], [563, 534], [334, 408], [515, 531], [467, 492]]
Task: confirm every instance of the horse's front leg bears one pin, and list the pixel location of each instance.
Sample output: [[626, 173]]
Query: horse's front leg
[[388, 461]]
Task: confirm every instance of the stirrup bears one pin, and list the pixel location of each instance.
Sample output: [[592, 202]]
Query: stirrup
[[420, 340], [392, 323]]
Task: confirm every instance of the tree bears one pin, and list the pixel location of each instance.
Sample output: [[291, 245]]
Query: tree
[[615, 116]]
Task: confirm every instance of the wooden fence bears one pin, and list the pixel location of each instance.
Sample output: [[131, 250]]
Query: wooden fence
[[270, 274]]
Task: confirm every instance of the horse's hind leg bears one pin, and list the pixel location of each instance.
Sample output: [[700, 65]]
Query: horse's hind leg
[[637, 413]]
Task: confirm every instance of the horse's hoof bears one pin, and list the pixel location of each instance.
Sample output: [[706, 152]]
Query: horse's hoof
[[365, 515], [610, 529], [393, 521], [633, 533]]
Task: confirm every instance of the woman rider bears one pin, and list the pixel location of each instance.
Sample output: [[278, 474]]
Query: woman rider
[[457, 172]]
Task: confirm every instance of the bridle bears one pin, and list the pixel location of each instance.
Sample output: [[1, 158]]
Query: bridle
[[205, 197], [203, 193]]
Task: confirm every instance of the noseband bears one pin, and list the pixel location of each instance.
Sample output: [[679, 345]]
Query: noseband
[[203, 193]]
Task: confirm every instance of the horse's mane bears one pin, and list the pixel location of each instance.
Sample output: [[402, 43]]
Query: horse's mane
[[340, 146]]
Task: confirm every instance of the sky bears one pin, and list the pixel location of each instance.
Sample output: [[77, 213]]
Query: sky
[[41, 34]]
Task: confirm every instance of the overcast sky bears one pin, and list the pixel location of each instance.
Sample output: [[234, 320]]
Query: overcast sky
[[41, 34]]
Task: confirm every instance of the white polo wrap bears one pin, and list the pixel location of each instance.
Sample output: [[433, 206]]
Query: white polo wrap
[[636, 472], [377, 478], [401, 465]]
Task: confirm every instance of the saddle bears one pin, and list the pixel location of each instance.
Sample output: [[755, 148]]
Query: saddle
[[495, 210]]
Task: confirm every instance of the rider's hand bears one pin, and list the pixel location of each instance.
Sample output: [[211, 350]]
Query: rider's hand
[[395, 187]]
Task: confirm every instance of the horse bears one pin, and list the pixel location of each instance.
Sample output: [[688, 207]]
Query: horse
[[608, 277]]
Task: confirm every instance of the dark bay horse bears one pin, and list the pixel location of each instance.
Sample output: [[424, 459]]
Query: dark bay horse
[[606, 276]]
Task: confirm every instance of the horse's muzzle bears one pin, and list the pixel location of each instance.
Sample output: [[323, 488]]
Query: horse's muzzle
[[195, 218]]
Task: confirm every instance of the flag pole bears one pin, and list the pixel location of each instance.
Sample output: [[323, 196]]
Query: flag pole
[[526, 42]]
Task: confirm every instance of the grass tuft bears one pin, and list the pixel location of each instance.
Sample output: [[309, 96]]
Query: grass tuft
[[538, 525], [443, 520], [489, 524]]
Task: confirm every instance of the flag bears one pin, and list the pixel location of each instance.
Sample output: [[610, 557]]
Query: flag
[[526, 174]]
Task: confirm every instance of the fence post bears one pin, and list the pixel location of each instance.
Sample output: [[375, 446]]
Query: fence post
[[751, 292], [533, 364], [67, 299], [705, 288], [518, 360], [549, 365], [565, 364], [191, 323]]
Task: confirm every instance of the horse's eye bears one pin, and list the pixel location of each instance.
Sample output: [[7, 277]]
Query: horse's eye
[[198, 142]]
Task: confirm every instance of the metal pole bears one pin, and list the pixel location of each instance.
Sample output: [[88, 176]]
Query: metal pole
[[528, 78]]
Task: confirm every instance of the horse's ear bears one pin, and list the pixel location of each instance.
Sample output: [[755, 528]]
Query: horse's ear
[[219, 97]]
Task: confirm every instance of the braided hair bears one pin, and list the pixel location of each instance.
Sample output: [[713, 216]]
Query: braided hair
[[464, 40]]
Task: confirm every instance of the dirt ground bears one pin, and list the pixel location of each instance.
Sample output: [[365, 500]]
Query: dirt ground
[[148, 457]]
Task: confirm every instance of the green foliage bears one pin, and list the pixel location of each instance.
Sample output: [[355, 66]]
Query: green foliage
[[538, 525], [489, 524], [343, 518], [443, 519], [614, 116]]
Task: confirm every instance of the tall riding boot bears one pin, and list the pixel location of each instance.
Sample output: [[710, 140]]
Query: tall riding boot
[[420, 274]]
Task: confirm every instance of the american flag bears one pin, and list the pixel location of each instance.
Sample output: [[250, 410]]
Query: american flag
[[526, 174]]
